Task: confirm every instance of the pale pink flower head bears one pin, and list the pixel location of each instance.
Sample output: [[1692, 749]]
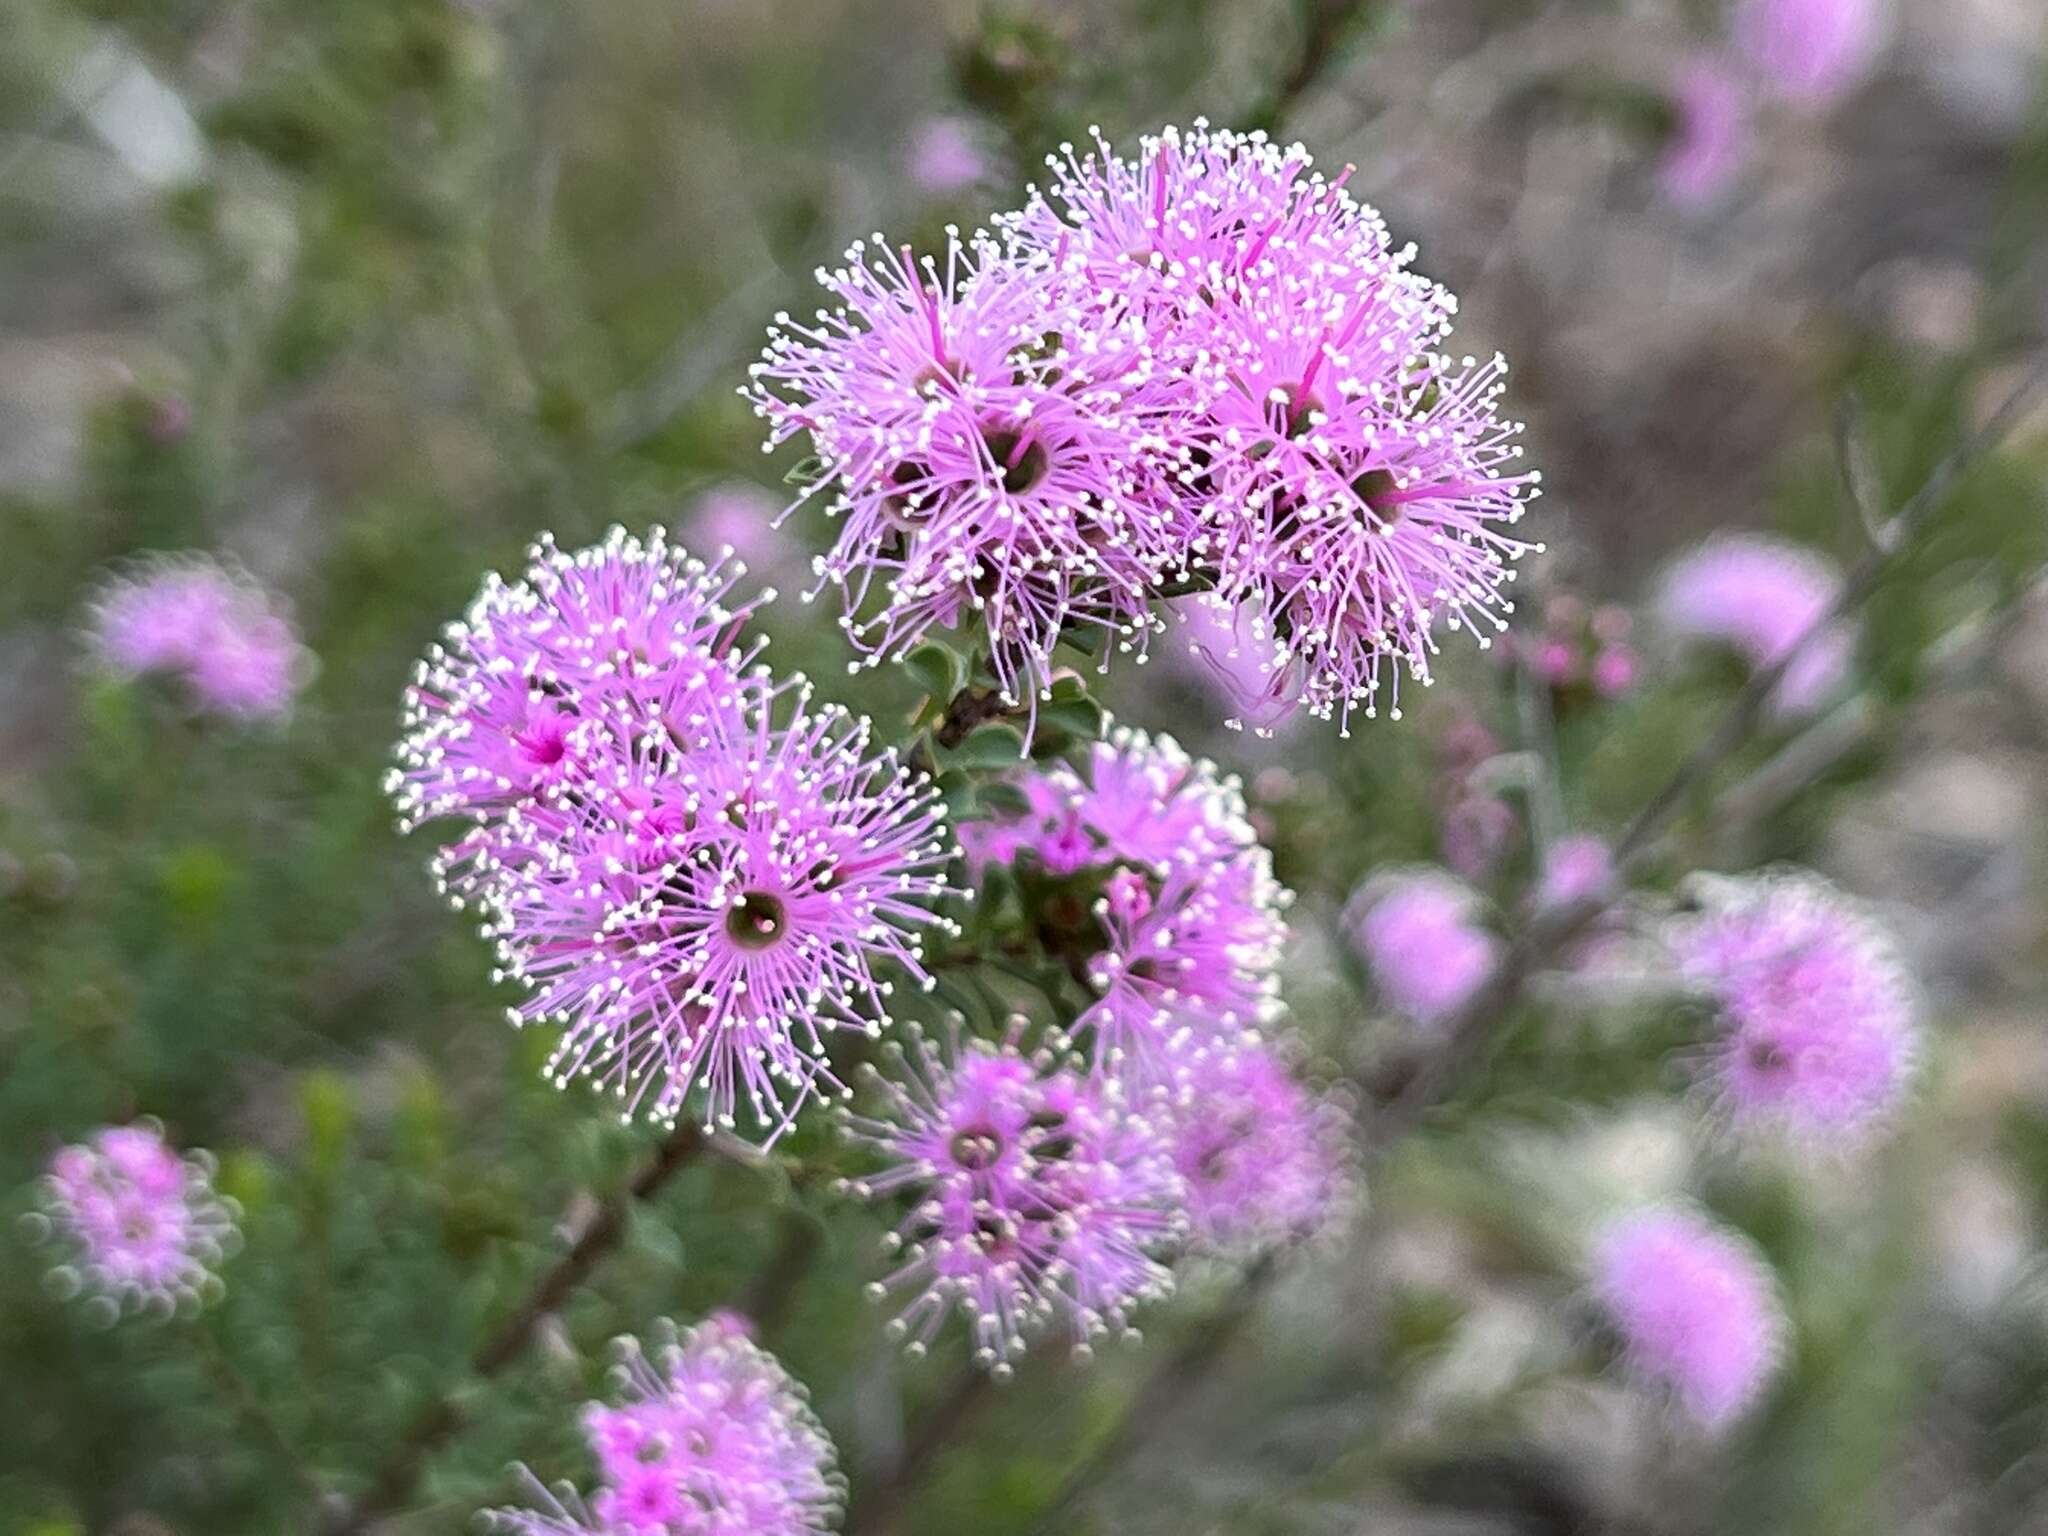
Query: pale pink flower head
[[211, 629], [1264, 1158], [139, 1224], [701, 916], [1478, 831], [993, 445], [707, 1436], [1036, 1198], [1696, 1310], [1615, 670], [946, 157], [1236, 655], [1815, 1013], [1709, 137], [550, 676], [1420, 934], [1811, 50], [1760, 596]]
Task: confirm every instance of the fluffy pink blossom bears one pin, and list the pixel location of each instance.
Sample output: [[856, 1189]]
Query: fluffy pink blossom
[[708, 1436], [140, 1225], [213, 630], [1421, 938], [1811, 50], [1183, 926], [993, 446], [1035, 1197], [1696, 1310], [1760, 596], [1347, 477], [702, 914], [1576, 869], [742, 517], [1815, 1014]]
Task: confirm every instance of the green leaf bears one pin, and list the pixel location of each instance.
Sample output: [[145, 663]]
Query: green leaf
[[935, 669], [1003, 799], [1076, 717], [806, 472], [995, 745]]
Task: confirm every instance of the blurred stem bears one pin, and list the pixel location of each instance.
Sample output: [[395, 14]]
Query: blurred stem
[[1325, 26], [875, 1513], [248, 1405], [393, 1485], [1169, 1382]]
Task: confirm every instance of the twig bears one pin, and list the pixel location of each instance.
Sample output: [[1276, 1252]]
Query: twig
[[876, 1511], [1168, 1383], [431, 1429], [766, 1300]]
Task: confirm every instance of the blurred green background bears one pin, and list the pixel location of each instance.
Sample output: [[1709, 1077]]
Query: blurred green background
[[368, 292]]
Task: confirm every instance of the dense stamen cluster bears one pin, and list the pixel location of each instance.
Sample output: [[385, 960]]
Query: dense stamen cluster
[[696, 871], [709, 1437], [1047, 1187], [1204, 368], [1037, 1197], [140, 1224], [1815, 1013]]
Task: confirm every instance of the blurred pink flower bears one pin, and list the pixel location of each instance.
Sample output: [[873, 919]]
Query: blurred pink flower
[[1478, 830], [741, 517], [1419, 936], [1811, 50], [945, 156], [1760, 595], [1614, 671], [1577, 868], [212, 628], [1709, 141], [1696, 1309]]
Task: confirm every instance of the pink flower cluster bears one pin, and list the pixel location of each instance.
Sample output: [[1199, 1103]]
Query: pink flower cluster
[[212, 630], [696, 871], [140, 1224], [1815, 1013], [709, 1437], [1204, 368], [1037, 1196], [1760, 597], [1047, 1187], [1695, 1308]]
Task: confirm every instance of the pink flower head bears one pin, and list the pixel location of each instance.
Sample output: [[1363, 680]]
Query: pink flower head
[[1346, 477], [141, 1224], [1709, 143], [1184, 929], [945, 156], [703, 913], [1036, 1197], [1811, 50], [1576, 869], [1237, 656], [1478, 831], [1759, 596], [1615, 670], [1420, 938], [550, 675], [992, 445], [213, 630], [708, 1436], [1264, 1159], [1816, 1013], [1696, 1309]]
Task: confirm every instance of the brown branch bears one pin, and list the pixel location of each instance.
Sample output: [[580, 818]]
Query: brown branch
[[434, 1427]]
